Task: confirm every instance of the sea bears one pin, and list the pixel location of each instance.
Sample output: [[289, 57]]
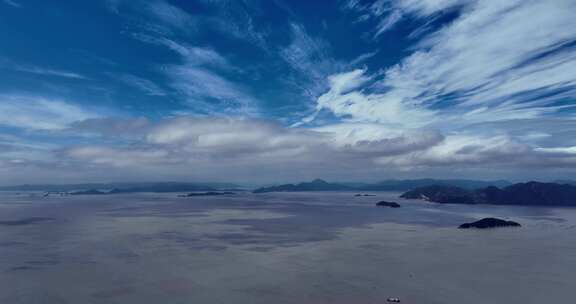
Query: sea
[[281, 248]]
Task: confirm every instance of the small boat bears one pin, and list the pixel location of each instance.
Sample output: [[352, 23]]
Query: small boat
[[393, 300]]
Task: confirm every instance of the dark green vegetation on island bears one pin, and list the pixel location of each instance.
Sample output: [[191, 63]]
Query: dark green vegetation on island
[[210, 193], [489, 222], [89, 192], [389, 185], [315, 185], [525, 194], [26, 221], [388, 204]]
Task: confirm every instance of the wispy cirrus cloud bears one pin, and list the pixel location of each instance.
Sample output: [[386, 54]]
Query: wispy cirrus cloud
[[48, 72], [169, 14], [203, 79], [12, 3], [148, 87], [476, 69], [388, 13], [38, 113], [310, 62]]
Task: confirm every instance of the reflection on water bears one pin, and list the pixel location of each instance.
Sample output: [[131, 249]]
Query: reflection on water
[[278, 248]]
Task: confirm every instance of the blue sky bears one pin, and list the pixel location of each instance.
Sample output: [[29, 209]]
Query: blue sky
[[284, 90]]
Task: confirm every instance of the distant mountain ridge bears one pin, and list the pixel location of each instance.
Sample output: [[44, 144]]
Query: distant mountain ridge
[[315, 185], [158, 187], [525, 194], [389, 185]]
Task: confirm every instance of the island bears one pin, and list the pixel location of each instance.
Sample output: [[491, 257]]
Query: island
[[524, 194], [387, 185], [126, 187], [89, 192], [387, 204], [315, 185], [210, 193], [489, 222], [27, 221]]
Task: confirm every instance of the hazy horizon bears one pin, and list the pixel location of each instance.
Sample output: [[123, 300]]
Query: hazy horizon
[[271, 183]]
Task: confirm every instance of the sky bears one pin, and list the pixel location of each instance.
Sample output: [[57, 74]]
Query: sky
[[267, 91]]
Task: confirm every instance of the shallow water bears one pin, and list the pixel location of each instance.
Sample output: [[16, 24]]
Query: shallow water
[[278, 248]]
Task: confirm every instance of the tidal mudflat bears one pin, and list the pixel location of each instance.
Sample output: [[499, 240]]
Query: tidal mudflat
[[278, 248]]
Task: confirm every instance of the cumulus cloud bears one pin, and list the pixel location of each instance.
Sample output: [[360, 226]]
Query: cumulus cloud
[[215, 142], [376, 140], [192, 140], [232, 148], [119, 157], [459, 150]]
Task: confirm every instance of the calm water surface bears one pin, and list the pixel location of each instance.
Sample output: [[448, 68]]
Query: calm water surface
[[278, 248]]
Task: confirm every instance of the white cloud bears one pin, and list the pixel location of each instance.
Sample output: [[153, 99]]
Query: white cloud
[[388, 22], [305, 53], [12, 3], [145, 85], [567, 150], [375, 140], [424, 8], [236, 19], [203, 79], [203, 144], [131, 128], [479, 93], [39, 113], [160, 15], [387, 13], [464, 150], [119, 157], [48, 72], [498, 61], [169, 14], [202, 88], [233, 138], [192, 140], [310, 60], [389, 108], [345, 82]]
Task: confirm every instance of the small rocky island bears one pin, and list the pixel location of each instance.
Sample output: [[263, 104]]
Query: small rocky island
[[89, 192], [387, 204], [210, 193], [489, 222]]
